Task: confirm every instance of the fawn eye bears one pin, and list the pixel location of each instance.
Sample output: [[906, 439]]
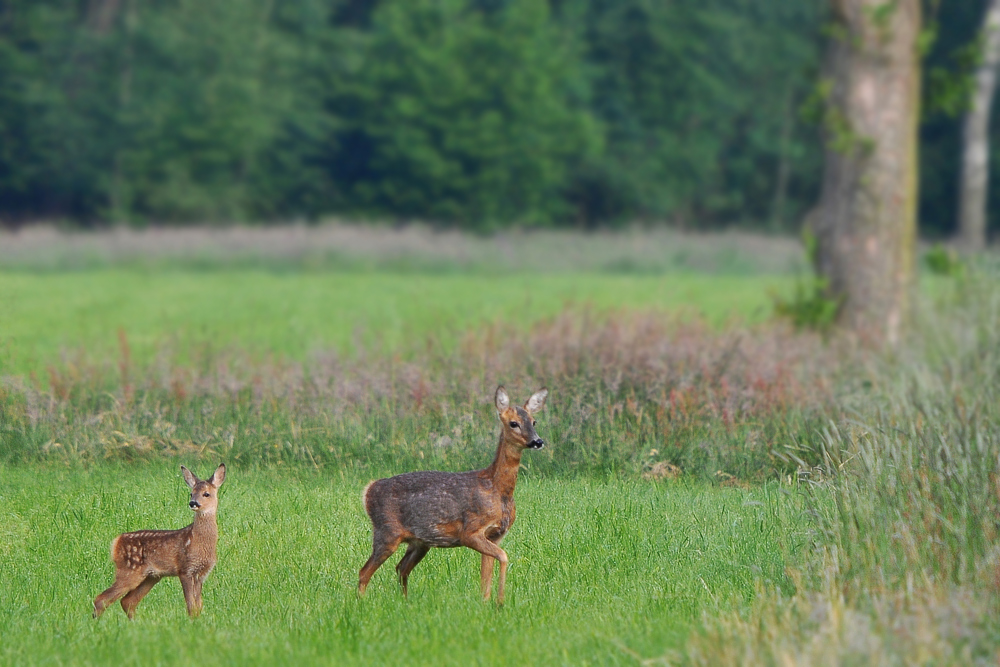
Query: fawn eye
[[206, 494], [515, 425]]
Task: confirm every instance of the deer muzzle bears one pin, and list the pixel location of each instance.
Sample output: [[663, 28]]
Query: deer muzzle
[[194, 504], [537, 443]]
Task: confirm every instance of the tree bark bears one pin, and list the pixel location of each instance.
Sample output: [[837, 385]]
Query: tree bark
[[976, 138], [101, 15], [865, 223]]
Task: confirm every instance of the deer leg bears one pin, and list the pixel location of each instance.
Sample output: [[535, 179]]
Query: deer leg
[[415, 553], [382, 548], [487, 548], [132, 599], [190, 594], [124, 582], [486, 576]]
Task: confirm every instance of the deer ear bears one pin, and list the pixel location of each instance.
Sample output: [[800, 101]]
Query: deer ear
[[502, 400], [189, 477], [537, 401], [219, 476]]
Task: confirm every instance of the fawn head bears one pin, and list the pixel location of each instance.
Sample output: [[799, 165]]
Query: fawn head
[[518, 423], [205, 492]]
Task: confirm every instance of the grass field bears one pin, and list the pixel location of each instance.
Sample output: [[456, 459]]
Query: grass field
[[601, 570], [46, 315], [814, 502]]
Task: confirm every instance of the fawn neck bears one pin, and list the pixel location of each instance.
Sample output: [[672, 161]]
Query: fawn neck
[[205, 527], [503, 470]]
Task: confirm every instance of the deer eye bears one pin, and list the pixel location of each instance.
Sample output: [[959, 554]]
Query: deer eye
[[534, 423], [515, 425], [207, 495]]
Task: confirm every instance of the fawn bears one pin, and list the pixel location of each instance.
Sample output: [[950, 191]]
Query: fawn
[[474, 509], [144, 557]]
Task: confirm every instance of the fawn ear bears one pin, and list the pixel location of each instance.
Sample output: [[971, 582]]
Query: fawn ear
[[537, 401], [502, 400], [219, 476], [189, 477]]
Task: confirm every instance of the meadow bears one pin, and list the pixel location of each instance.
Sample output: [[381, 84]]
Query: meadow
[[599, 570], [53, 315], [719, 487]]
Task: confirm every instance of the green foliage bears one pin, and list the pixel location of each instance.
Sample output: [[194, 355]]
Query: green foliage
[[474, 113], [459, 115], [944, 261], [949, 88], [478, 113], [948, 76], [881, 14], [699, 101], [810, 306], [839, 135]]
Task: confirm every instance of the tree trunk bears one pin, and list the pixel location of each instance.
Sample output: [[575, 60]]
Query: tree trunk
[[865, 224], [976, 138], [101, 15]]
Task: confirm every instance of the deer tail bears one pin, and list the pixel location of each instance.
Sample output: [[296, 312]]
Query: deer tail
[[364, 496]]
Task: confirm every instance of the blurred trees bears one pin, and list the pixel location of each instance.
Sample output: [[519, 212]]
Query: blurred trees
[[472, 112], [171, 110], [448, 113], [700, 100], [949, 67]]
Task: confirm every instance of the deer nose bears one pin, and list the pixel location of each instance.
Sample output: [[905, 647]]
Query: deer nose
[[194, 504], [537, 443]]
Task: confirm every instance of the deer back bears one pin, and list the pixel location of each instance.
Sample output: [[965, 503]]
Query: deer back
[[433, 507]]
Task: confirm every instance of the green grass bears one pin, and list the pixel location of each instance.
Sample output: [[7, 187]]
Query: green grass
[[600, 570], [43, 315], [893, 552]]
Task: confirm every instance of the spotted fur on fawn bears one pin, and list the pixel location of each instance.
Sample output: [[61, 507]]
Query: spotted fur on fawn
[[473, 509], [144, 557]]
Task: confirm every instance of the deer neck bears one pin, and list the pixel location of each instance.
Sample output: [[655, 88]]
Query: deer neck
[[503, 470]]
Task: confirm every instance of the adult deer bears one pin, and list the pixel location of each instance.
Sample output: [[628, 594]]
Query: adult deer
[[472, 509], [144, 557]]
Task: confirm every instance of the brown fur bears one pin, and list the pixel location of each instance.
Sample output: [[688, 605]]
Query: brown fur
[[144, 557], [473, 509]]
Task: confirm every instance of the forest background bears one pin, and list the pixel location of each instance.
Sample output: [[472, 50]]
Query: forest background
[[472, 113]]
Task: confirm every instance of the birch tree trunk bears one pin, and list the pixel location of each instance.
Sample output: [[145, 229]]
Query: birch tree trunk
[[865, 223], [976, 139]]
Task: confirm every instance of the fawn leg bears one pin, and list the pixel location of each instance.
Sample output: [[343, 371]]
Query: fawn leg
[[414, 554], [124, 582], [487, 548], [190, 594], [383, 546], [132, 599], [198, 583]]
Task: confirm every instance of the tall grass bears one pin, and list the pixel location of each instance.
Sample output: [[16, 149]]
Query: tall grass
[[627, 392], [906, 568]]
